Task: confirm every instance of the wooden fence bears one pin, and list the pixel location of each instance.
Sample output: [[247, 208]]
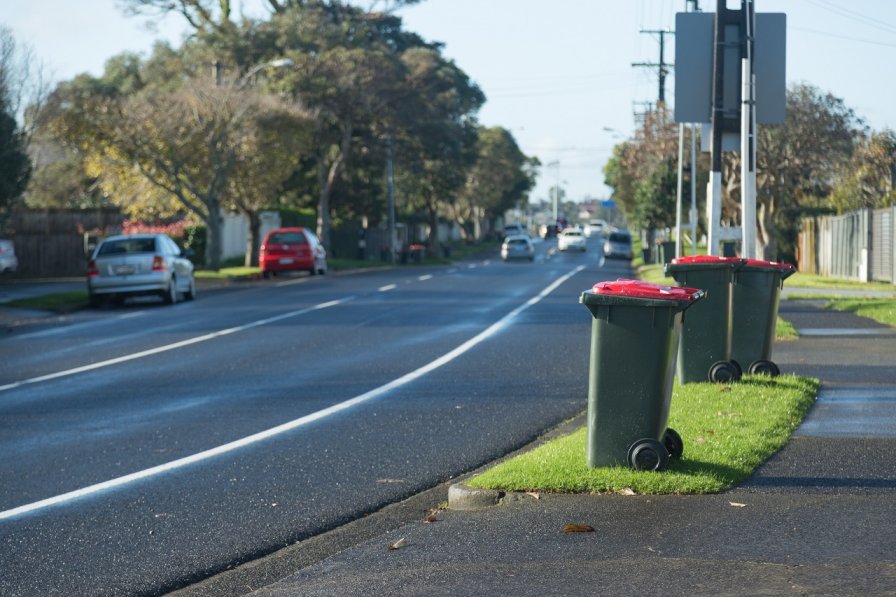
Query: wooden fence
[[52, 242]]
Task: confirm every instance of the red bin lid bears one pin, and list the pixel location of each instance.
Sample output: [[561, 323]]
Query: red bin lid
[[703, 259], [770, 264], [646, 290]]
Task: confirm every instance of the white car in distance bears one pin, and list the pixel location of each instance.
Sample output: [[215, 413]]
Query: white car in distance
[[571, 239]]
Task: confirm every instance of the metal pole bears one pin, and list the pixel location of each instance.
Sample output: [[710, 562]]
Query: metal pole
[[678, 192], [747, 140], [390, 198], [693, 212], [714, 192]]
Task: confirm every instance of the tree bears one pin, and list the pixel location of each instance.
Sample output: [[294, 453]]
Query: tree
[[799, 160], [278, 137], [21, 90], [500, 177], [437, 133], [186, 147], [869, 179], [643, 173]]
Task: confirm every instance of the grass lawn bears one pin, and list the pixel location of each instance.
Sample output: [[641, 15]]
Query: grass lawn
[[882, 310], [728, 430], [801, 280]]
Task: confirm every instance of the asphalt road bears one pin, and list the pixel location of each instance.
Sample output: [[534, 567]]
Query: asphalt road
[[148, 447]]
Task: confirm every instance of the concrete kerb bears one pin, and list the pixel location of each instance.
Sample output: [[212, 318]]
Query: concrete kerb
[[462, 497]]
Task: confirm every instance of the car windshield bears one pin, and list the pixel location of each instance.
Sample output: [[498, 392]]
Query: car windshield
[[288, 238], [128, 245], [620, 237], [517, 241]]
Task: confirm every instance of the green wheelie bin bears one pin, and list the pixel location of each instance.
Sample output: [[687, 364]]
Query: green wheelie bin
[[756, 295], [634, 336], [705, 349]]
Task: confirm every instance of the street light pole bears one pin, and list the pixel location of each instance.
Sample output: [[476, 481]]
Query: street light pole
[[556, 165]]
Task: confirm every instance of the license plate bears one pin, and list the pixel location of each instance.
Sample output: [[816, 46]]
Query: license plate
[[124, 270], [286, 260]]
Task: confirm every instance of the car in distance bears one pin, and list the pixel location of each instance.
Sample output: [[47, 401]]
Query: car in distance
[[292, 249], [618, 244], [571, 239], [514, 230], [518, 246], [595, 228], [139, 264], [8, 260]]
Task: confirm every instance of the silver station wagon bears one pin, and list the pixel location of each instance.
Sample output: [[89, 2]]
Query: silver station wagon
[[141, 264]]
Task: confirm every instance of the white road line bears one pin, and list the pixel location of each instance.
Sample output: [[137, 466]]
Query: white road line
[[425, 277], [387, 287], [296, 423], [167, 347]]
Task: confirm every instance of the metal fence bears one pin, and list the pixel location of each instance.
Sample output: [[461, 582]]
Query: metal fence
[[857, 245]]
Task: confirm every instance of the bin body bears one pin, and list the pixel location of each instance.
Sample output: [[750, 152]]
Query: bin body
[[633, 345], [706, 334], [756, 294]]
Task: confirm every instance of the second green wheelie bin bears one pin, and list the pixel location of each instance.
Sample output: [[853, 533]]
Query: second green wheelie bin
[[634, 336], [705, 349], [756, 295]]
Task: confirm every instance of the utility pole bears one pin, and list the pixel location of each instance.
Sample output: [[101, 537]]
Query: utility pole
[[390, 198], [662, 65], [748, 135]]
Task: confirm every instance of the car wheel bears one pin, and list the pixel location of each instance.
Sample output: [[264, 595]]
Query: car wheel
[[190, 295], [267, 274], [170, 295]]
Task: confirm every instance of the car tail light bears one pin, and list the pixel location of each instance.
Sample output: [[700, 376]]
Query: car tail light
[[158, 264], [92, 270]]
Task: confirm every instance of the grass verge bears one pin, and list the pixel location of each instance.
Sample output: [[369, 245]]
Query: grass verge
[[728, 431], [879, 309]]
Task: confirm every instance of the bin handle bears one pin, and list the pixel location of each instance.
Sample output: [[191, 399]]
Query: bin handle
[[696, 296]]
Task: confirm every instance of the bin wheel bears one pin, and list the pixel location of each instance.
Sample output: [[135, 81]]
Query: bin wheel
[[648, 455], [738, 368], [673, 442], [723, 372], [764, 368]]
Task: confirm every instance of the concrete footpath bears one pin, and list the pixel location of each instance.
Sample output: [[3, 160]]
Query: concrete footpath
[[819, 518]]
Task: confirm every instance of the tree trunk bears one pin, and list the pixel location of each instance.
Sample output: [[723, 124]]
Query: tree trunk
[[213, 244], [254, 238], [433, 220], [766, 240], [326, 179]]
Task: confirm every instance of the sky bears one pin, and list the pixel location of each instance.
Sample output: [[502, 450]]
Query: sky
[[557, 74]]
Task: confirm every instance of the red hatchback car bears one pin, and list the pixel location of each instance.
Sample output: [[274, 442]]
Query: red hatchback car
[[292, 249]]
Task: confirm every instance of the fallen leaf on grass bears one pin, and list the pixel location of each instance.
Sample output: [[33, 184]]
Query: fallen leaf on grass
[[398, 544], [699, 441], [578, 528], [738, 504], [726, 389], [627, 491], [533, 494]]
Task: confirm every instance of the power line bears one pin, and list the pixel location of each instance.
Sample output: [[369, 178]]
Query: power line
[[846, 37], [853, 15]]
